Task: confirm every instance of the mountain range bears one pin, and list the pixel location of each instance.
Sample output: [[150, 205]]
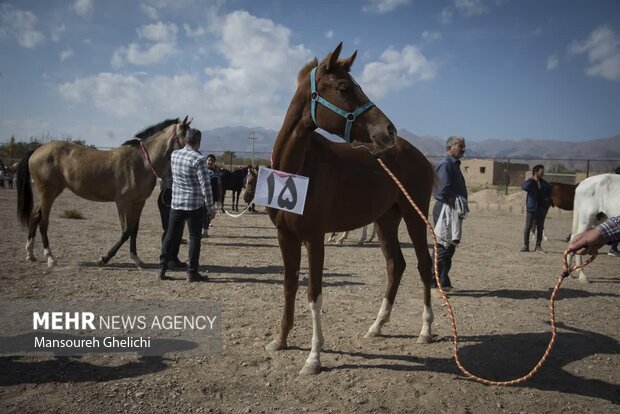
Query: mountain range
[[236, 139]]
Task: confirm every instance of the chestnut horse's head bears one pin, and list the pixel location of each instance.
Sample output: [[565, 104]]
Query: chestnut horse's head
[[336, 103]]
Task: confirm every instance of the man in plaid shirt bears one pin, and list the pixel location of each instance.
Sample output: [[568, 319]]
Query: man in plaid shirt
[[191, 191], [590, 241]]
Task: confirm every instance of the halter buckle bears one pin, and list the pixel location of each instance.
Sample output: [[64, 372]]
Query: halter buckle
[[314, 96], [350, 117]]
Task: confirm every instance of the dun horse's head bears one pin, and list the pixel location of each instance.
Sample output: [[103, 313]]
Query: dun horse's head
[[178, 141], [337, 104]]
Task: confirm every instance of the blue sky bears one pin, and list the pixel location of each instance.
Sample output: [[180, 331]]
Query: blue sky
[[507, 69]]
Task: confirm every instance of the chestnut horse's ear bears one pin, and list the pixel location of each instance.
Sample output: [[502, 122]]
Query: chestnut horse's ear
[[349, 62], [333, 58]]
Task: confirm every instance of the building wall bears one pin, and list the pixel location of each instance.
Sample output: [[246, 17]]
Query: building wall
[[477, 172]]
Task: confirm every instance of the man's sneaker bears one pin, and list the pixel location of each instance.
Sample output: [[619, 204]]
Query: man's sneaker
[[615, 253], [524, 249], [196, 277], [539, 249]]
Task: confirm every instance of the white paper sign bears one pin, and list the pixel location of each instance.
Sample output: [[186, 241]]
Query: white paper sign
[[281, 190]]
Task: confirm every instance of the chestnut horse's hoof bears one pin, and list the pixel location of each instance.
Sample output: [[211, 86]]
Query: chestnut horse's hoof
[[424, 339], [31, 258], [312, 368], [102, 261], [275, 346]]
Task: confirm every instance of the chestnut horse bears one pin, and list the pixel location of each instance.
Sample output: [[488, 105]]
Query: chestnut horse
[[348, 189], [125, 175]]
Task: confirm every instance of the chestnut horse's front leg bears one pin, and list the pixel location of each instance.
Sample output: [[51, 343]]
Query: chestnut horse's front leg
[[316, 256], [290, 247]]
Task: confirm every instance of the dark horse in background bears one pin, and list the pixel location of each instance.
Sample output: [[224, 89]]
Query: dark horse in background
[[125, 175], [233, 181], [347, 189]]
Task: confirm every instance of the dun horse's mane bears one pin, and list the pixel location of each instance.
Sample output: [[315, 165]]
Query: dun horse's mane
[[147, 132]]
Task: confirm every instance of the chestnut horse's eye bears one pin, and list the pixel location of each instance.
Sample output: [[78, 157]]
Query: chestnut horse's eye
[[343, 87]]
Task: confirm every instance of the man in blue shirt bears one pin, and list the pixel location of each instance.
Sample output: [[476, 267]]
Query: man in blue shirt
[[191, 192], [451, 185], [536, 204]]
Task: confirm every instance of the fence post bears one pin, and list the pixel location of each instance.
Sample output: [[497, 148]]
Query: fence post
[[587, 168], [507, 176]]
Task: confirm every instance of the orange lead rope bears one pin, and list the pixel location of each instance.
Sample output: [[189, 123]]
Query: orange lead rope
[[567, 271]]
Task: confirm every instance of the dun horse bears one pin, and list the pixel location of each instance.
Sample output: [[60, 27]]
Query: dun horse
[[125, 175], [348, 189]]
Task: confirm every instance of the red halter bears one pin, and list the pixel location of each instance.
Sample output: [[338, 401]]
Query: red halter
[[175, 138]]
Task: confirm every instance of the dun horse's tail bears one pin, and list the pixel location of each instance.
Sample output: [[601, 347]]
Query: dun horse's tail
[[24, 191]]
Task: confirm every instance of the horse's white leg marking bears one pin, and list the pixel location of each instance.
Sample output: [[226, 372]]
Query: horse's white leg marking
[[30, 250], [426, 335], [313, 363], [373, 234], [343, 236], [139, 263], [382, 318], [51, 262]]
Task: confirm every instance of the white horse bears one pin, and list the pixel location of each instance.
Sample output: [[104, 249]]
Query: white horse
[[594, 197], [338, 238]]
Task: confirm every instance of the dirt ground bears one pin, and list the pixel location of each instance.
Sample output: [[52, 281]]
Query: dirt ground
[[501, 310]]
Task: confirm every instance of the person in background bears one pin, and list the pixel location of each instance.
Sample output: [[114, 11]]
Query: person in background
[[590, 241], [191, 195], [451, 187], [215, 177], [536, 204]]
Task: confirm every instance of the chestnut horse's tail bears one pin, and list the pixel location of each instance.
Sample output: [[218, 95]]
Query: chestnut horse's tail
[[24, 191]]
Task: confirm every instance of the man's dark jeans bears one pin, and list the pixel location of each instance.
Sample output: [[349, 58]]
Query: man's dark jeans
[[163, 204], [537, 218], [174, 233], [444, 254]]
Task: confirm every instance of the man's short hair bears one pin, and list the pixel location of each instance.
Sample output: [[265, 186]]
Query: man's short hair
[[193, 136], [453, 140], [211, 156], [537, 168]]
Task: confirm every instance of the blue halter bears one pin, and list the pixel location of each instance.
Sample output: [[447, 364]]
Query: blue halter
[[349, 116]]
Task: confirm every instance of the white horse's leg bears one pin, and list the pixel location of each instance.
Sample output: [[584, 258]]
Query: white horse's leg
[[313, 363], [382, 318], [332, 237], [342, 237], [426, 336], [30, 250], [363, 238], [51, 261]]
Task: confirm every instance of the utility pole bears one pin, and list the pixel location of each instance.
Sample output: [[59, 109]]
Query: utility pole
[[252, 138]]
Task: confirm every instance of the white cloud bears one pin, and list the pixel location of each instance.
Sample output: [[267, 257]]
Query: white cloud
[[66, 54], [83, 7], [199, 31], [446, 16], [149, 11], [159, 32], [430, 36], [142, 56], [252, 88], [20, 24], [329, 34], [396, 70], [161, 43], [383, 6], [470, 8], [552, 62], [603, 50], [57, 31]]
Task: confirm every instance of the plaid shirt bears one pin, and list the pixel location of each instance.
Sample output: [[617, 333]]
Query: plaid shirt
[[191, 187], [610, 230]]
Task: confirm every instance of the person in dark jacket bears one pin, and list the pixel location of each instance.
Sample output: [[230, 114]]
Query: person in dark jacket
[[536, 204], [451, 185]]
